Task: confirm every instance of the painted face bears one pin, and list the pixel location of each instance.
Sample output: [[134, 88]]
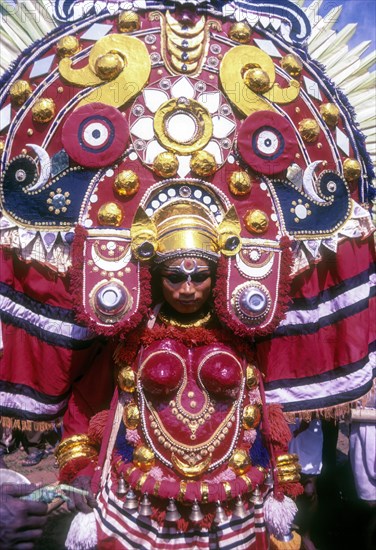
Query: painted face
[[186, 284]]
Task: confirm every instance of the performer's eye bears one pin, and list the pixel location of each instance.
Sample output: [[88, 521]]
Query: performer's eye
[[175, 278], [200, 277]]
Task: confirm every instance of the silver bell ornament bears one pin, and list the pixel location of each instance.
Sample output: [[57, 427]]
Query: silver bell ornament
[[172, 513], [256, 497], [239, 509], [145, 507], [131, 502], [196, 515], [122, 487], [220, 515], [269, 479]]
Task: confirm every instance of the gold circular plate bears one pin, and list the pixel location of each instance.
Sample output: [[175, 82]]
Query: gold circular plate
[[183, 125]]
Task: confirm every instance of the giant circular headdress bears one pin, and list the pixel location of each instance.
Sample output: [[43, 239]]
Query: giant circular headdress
[[160, 129]]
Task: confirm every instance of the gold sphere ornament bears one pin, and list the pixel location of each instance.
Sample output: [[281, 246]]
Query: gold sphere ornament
[[131, 416], [110, 214], [2, 146], [256, 221], [309, 129], [43, 110], [143, 458], [129, 21], [20, 91], [68, 46], [166, 164], [203, 164], [351, 170], [126, 380], [251, 417], [240, 32], [257, 80], [292, 65], [126, 183], [240, 462], [239, 183], [330, 114], [251, 376], [109, 65]]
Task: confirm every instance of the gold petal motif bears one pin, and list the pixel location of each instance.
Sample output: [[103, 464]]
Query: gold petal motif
[[178, 29], [190, 471]]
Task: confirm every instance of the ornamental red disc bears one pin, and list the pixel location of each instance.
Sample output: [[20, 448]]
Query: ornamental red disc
[[267, 142], [95, 135]]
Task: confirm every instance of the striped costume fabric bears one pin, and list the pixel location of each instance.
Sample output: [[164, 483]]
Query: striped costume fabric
[[119, 529]]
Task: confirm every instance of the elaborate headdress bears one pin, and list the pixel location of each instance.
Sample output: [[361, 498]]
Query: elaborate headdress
[[214, 132]]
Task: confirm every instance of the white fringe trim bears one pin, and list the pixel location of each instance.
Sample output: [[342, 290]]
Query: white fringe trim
[[82, 534], [279, 515]]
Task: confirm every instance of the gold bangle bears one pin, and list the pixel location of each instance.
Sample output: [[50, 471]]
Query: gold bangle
[[227, 488], [287, 459], [77, 446], [73, 441], [246, 479], [156, 488], [141, 481], [182, 491], [287, 478], [204, 490], [288, 469]]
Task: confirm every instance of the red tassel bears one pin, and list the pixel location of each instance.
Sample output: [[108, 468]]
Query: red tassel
[[279, 429], [73, 468], [292, 490], [97, 425]]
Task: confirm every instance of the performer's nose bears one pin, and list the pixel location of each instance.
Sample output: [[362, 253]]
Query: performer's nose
[[187, 288]]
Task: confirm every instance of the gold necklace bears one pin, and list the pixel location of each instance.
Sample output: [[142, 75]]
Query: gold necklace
[[173, 321]]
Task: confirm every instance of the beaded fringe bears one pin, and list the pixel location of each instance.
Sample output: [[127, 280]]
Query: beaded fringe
[[25, 425]]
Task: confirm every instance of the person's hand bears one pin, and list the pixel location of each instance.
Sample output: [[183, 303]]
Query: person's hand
[[81, 503], [21, 521]]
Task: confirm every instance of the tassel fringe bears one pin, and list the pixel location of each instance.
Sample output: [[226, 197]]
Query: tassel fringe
[[82, 534], [279, 515]]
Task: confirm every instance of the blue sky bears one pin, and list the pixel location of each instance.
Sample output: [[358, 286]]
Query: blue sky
[[362, 12]]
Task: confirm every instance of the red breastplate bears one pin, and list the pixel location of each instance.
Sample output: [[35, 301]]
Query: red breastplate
[[190, 403]]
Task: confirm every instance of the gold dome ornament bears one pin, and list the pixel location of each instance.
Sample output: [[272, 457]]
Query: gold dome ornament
[[109, 65], [251, 376], [309, 130], [131, 416], [292, 65], [128, 21], [203, 164], [126, 183], [240, 462], [251, 417], [257, 80], [20, 91], [110, 214], [239, 183], [126, 380], [330, 114], [68, 46], [143, 458], [2, 146], [240, 32], [256, 221], [351, 170], [43, 110], [166, 164]]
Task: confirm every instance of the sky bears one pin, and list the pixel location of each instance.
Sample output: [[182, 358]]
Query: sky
[[362, 12]]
